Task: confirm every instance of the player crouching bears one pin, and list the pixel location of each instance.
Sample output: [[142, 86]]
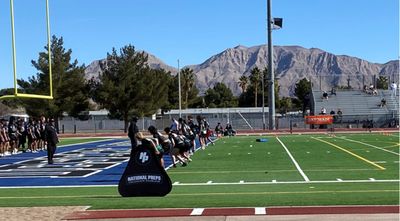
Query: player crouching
[[181, 146]]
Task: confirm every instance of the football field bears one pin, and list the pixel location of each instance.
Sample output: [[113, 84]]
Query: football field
[[286, 170]]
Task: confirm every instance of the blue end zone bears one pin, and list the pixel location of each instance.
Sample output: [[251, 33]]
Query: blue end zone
[[94, 163]]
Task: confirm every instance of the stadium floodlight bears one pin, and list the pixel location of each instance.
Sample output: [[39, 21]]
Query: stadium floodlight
[[14, 59], [277, 23], [273, 23]]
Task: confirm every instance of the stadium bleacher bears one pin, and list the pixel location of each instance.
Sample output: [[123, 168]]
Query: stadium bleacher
[[357, 105]]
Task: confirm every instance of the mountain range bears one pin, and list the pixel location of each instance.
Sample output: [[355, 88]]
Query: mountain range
[[292, 63]]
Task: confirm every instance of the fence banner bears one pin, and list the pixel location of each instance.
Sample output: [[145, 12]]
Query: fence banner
[[319, 119]]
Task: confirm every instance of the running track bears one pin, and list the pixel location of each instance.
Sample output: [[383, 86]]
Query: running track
[[142, 213]]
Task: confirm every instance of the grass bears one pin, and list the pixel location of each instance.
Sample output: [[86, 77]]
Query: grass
[[324, 160]]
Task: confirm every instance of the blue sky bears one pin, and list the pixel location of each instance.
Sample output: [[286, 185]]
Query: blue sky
[[194, 30]]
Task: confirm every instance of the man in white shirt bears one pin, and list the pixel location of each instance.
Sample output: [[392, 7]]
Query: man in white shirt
[[393, 89]]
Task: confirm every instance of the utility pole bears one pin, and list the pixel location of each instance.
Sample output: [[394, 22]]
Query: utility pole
[[179, 91], [271, 96], [263, 97]]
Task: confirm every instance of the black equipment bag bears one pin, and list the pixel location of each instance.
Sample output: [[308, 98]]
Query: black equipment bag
[[144, 175]]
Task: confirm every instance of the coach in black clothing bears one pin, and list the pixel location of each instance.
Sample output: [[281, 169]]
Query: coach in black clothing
[[132, 131], [51, 139]]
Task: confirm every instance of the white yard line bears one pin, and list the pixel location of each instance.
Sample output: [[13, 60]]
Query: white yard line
[[370, 145], [219, 184], [290, 182], [294, 161]]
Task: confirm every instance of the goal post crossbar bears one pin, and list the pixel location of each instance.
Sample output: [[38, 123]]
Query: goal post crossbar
[[14, 58]]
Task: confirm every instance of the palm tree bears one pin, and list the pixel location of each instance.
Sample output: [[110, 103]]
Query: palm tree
[[255, 81], [243, 81], [187, 78], [382, 83]]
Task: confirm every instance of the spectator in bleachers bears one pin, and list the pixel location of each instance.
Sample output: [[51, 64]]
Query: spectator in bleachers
[[323, 111], [333, 91], [383, 103], [393, 89], [371, 87], [325, 95], [372, 90], [365, 89], [332, 112]]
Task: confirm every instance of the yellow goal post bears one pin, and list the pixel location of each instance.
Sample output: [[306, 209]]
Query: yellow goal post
[[23, 95]]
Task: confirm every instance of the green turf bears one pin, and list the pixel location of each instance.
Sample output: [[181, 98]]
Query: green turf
[[354, 158]]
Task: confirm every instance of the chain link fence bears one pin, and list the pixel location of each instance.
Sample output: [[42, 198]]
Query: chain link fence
[[239, 118]]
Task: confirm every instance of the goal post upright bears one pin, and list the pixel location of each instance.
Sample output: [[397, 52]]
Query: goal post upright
[[14, 59]]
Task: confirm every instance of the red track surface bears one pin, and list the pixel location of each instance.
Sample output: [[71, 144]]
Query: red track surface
[[140, 213]]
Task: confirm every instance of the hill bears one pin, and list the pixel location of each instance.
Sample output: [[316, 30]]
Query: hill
[[292, 63]]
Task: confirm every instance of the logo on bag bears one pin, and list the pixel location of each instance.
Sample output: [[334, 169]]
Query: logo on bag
[[143, 157]]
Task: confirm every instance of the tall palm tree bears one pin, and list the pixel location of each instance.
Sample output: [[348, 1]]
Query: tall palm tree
[[187, 78], [255, 77], [243, 81]]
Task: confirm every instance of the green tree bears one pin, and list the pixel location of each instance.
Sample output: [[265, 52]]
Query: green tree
[[243, 82], [382, 83], [277, 88], [128, 87], [10, 103], [302, 91], [69, 88], [4, 109], [220, 96], [189, 90], [247, 98], [255, 79], [285, 105]]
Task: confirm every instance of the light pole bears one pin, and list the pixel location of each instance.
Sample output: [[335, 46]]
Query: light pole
[[179, 91], [271, 97], [263, 97], [277, 22]]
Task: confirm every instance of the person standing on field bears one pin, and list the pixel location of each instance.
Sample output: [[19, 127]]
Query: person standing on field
[[51, 139], [132, 131]]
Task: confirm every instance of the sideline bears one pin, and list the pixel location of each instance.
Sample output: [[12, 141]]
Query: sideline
[[218, 184]]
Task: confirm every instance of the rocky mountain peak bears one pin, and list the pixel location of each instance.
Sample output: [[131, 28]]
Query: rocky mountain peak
[[291, 63]]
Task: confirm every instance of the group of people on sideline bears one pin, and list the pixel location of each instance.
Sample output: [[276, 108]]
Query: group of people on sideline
[[228, 131], [336, 115], [179, 139], [33, 135]]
